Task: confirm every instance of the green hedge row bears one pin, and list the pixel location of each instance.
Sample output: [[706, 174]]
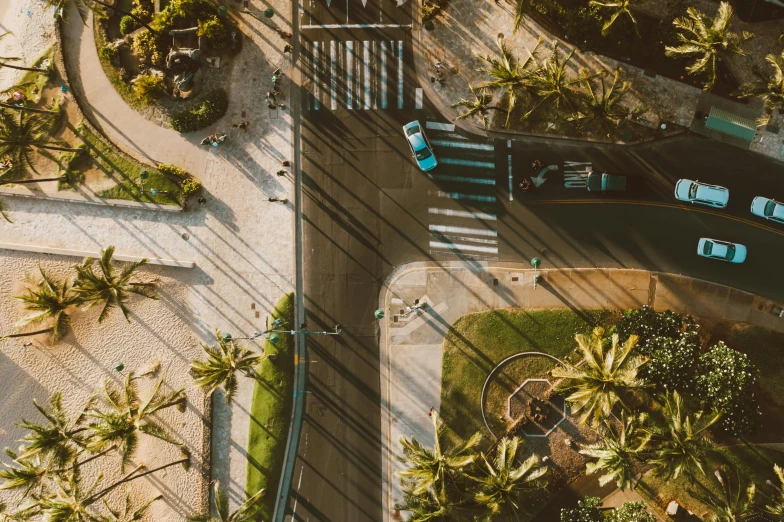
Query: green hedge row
[[210, 110]]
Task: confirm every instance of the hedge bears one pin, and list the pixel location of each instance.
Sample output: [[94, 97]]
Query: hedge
[[210, 110]]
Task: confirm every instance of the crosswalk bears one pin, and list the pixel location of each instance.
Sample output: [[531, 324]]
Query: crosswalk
[[353, 75], [462, 218]]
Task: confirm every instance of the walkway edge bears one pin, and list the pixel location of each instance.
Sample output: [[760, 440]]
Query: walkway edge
[[138, 205], [88, 253]]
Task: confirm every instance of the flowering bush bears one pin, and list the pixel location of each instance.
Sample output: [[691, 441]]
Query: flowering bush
[[587, 510], [211, 109], [648, 324], [725, 383], [672, 363]]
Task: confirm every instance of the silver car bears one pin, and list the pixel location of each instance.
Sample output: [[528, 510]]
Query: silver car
[[721, 250], [702, 193], [768, 208]]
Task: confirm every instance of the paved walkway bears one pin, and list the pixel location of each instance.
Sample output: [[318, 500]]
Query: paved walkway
[[410, 347], [243, 245]]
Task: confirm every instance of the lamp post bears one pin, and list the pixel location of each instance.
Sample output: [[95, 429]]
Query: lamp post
[[535, 262], [142, 176]]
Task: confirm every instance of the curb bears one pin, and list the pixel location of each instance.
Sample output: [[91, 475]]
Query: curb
[[99, 202], [88, 253]]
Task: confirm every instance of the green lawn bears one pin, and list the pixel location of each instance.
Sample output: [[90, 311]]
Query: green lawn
[[36, 80], [127, 172], [271, 412], [477, 342]]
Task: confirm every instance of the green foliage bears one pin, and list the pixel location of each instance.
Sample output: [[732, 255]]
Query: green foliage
[[672, 363], [587, 510], [646, 324], [143, 9], [630, 512], [210, 110], [107, 52], [147, 46], [215, 32], [190, 186], [429, 9], [726, 383], [172, 170], [127, 25], [148, 87]]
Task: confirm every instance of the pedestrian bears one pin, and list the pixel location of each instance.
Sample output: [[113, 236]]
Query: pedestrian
[[430, 413], [27, 345], [244, 125], [281, 173], [202, 200], [285, 163], [287, 49]]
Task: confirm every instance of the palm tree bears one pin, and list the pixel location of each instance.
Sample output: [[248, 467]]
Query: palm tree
[[479, 105], [551, 83], [770, 89], [4, 212], [682, 446], [604, 107], [128, 513], [5, 59], [505, 480], [125, 415], [62, 439], [247, 512], [107, 286], [707, 40], [422, 508], [431, 471], [508, 72], [618, 453], [48, 300], [733, 504], [223, 363], [619, 7], [521, 9], [83, 7], [603, 375], [776, 506], [20, 137]]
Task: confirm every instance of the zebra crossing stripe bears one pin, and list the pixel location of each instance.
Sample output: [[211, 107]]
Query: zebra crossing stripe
[[440, 126], [458, 145], [450, 238], [461, 179], [316, 65], [459, 247], [462, 214], [374, 85], [333, 101], [400, 74], [366, 49], [384, 74], [350, 74], [467, 163], [447, 229], [458, 195]]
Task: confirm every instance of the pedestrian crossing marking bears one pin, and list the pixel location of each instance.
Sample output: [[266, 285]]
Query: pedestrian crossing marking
[[316, 80], [461, 179], [466, 238], [458, 195], [400, 74], [384, 50], [349, 74], [333, 52], [461, 247], [366, 57], [440, 126], [463, 230], [467, 163], [459, 145], [462, 214]]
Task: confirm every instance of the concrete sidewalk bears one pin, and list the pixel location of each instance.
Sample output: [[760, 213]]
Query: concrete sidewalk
[[410, 344]]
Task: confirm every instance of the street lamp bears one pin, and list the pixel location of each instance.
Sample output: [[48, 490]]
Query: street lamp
[[535, 262], [379, 314], [142, 176]]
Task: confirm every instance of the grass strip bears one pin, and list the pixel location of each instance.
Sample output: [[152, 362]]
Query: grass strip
[[270, 412]]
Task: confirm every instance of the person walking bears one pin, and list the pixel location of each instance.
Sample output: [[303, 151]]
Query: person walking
[[287, 48]]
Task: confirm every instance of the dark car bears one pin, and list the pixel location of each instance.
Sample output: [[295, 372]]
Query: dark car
[[603, 182]]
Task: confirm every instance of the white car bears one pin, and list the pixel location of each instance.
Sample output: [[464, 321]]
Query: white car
[[768, 209], [420, 146], [702, 193], [721, 250]]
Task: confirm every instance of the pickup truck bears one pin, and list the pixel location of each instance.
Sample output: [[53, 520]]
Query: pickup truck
[[603, 182]]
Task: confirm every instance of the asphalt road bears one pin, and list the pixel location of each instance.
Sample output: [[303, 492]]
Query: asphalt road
[[367, 209]]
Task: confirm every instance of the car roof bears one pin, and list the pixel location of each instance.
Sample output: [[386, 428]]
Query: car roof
[[417, 142], [719, 249], [712, 193]]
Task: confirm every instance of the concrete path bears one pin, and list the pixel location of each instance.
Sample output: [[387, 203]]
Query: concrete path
[[242, 245], [410, 342]]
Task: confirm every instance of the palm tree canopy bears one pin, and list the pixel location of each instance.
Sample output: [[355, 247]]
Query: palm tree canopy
[[618, 7], [706, 40], [479, 105], [616, 455], [21, 135], [734, 503], [247, 512], [222, 364], [48, 299], [605, 106], [684, 443], [776, 505], [606, 371], [770, 89], [59, 439], [107, 286]]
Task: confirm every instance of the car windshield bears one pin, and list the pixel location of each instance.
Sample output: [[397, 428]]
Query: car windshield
[[769, 206], [424, 153], [412, 130], [730, 251], [708, 248], [693, 191]]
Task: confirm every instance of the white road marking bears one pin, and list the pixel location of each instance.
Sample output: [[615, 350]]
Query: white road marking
[[463, 230], [461, 179], [356, 26], [462, 213], [460, 247], [458, 145], [400, 74], [333, 102], [384, 48], [458, 195], [440, 126], [419, 99], [350, 74], [316, 66], [511, 190], [467, 163], [465, 238], [374, 86], [366, 56], [296, 498]]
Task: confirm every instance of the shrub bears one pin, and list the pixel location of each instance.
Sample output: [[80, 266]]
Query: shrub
[[143, 9], [127, 25], [190, 186], [672, 363], [172, 170], [630, 512], [210, 110], [147, 47], [587, 510], [215, 32], [147, 87], [107, 53], [648, 324], [725, 383]]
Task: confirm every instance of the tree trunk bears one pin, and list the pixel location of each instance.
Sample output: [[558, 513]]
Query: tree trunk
[[20, 68], [136, 19], [45, 330], [24, 181], [15, 107], [55, 147], [128, 478]]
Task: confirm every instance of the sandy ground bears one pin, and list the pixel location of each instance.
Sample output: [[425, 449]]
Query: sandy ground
[[78, 365], [32, 29]]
